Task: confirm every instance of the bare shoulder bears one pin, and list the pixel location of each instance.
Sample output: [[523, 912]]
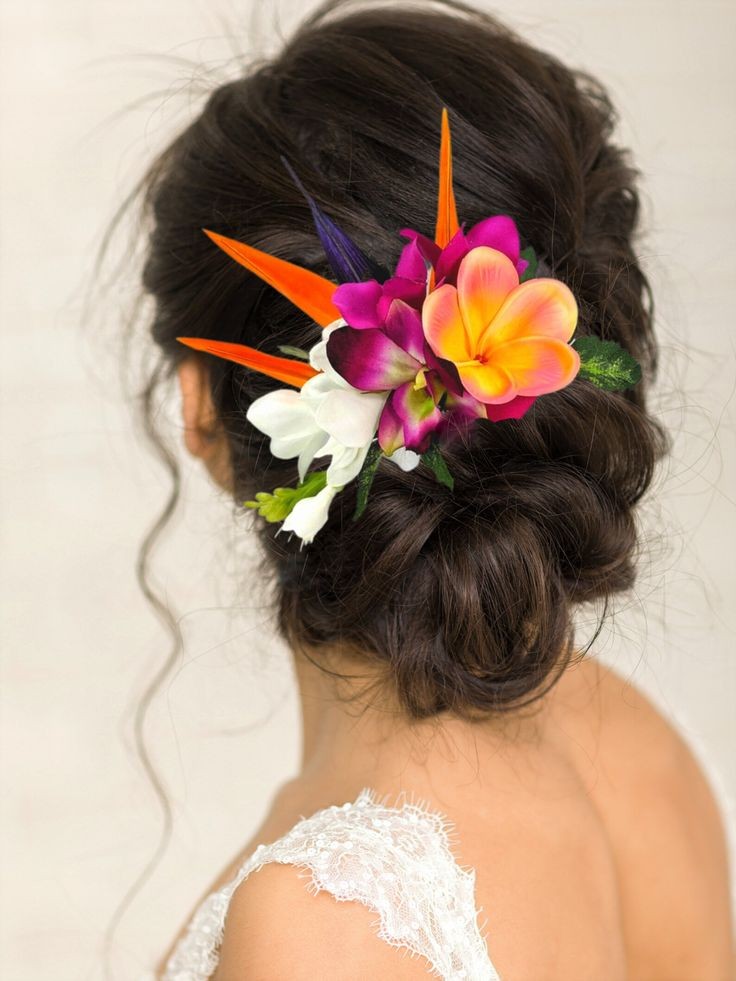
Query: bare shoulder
[[663, 820], [632, 737], [278, 930]]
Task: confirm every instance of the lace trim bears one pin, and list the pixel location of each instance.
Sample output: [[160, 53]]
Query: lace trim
[[395, 860]]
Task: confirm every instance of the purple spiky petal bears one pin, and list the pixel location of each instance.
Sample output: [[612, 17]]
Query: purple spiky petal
[[348, 262]]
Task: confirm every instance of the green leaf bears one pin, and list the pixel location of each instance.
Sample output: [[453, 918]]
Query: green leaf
[[276, 506], [365, 478], [531, 270], [434, 459], [294, 352], [606, 363]]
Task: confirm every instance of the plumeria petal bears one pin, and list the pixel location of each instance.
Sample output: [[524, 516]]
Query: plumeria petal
[[358, 303], [369, 359], [514, 409], [404, 326], [310, 514], [443, 325], [349, 416], [418, 413], [484, 280], [537, 308], [537, 365], [487, 382]]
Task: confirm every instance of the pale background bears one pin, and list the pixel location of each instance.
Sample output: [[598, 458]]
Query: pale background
[[79, 489]]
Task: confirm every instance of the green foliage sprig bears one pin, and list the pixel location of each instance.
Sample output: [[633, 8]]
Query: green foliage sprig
[[279, 504]]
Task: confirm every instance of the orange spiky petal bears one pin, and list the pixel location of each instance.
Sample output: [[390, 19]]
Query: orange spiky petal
[[307, 290], [447, 223], [282, 369]]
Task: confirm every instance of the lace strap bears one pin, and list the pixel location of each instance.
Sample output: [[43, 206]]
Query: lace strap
[[394, 860]]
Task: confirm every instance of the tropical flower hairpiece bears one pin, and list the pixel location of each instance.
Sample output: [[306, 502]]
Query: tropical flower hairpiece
[[463, 330]]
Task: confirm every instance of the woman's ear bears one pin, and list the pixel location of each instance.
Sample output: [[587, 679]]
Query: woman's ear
[[203, 434]]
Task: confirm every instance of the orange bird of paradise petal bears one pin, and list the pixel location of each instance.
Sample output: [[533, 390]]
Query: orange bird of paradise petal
[[307, 290], [447, 223], [282, 369]]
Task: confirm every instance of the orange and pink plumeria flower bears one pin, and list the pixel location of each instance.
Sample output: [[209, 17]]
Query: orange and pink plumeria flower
[[505, 338]]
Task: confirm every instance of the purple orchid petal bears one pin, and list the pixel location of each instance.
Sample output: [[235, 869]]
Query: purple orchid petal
[[369, 360], [358, 303], [406, 289], [515, 408], [499, 232], [404, 325], [390, 430], [400, 289], [466, 407], [429, 249], [348, 262], [435, 388], [419, 415], [411, 264], [449, 260], [446, 370], [461, 412]]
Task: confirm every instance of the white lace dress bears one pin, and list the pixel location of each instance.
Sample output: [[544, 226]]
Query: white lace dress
[[395, 860]]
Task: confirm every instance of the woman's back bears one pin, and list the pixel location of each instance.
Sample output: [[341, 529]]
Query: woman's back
[[598, 853]]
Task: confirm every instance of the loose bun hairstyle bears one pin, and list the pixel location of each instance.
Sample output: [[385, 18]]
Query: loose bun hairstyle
[[463, 601]]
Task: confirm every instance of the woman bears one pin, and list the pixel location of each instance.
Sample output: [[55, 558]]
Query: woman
[[481, 797]]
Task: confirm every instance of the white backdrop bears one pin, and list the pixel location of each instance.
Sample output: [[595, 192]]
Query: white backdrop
[[79, 489]]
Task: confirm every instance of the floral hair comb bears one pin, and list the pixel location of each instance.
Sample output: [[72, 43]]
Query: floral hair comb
[[465, 329]]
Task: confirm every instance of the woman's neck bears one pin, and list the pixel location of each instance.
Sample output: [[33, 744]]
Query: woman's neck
[[355, 734]]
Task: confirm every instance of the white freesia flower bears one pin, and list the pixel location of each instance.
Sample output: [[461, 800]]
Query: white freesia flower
[[308, 515], [325, 417], [406, 459]]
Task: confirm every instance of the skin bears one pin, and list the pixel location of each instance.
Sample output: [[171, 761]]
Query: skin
[[599, 849]]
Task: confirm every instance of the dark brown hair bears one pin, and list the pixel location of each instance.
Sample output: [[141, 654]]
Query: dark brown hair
[[463, 599]]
